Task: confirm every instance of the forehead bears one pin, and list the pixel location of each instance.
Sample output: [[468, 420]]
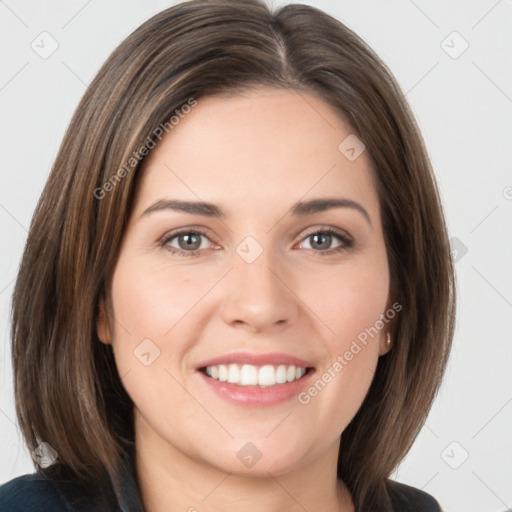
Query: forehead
[[257, 150]]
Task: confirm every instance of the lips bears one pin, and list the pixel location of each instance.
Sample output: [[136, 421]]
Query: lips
[[241, 358], [256, 379]]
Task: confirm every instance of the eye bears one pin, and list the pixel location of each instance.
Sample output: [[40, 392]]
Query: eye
[[191, 242], [185, 243], [321, 241]]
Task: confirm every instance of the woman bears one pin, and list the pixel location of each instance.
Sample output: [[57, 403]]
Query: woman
[[237, 288]]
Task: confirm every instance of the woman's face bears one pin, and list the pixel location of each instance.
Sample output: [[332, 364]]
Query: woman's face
[[269, 284]]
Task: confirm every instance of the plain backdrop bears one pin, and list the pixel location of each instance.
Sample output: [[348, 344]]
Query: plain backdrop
[[452, 60]]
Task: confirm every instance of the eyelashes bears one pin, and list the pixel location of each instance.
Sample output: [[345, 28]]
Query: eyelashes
[[319, 236], [331, 233]]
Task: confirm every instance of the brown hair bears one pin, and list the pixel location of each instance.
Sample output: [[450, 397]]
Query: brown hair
[[68, 391]]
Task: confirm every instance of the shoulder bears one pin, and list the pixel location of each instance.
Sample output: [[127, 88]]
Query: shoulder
[[404, 498], [30, 493], [38, 492]]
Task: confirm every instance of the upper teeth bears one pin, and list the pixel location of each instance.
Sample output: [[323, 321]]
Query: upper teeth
[[249, 375]]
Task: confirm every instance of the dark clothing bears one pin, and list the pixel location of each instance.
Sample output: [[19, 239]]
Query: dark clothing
[[40, 492]]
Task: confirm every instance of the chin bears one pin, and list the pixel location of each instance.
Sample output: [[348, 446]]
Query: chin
[[255, 458]]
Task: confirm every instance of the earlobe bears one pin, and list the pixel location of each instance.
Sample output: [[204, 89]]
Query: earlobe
[[102, 327], [386, 341], [385, 344]]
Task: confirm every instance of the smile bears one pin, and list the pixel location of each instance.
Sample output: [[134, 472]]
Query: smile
[[250, 375], [256, 379]]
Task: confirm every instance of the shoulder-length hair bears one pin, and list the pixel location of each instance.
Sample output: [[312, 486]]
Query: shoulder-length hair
[[68, 391]]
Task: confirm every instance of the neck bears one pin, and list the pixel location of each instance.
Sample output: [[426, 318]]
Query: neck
[[172, 481]]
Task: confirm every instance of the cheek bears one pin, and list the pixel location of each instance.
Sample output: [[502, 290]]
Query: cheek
[[149, 301], [349, 301], [350, 304], [145, 308], [153, 327], [150, 305]]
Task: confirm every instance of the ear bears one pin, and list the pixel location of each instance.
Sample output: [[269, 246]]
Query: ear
[[102, 327]]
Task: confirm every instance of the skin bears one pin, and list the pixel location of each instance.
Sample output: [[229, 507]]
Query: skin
[[254, 155]]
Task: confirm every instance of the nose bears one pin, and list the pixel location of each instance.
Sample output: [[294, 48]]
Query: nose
[[258, 296]]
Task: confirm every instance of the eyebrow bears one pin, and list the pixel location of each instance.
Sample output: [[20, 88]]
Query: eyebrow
[[299, 209]]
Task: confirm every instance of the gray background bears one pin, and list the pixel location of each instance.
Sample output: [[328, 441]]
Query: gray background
[[463, 103]]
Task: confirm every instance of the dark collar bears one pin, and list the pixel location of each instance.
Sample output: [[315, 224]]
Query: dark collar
[[129, 496]]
